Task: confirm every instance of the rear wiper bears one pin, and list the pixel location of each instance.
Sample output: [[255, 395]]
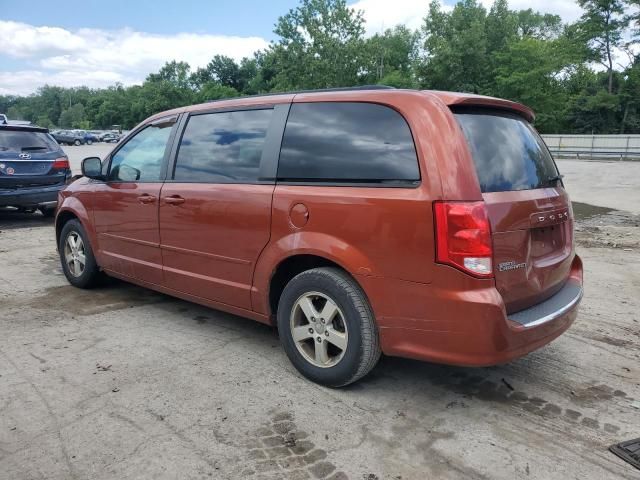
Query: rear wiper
[[556, 178]]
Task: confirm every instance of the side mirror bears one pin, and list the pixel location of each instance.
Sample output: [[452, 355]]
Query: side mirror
[[92, 168]]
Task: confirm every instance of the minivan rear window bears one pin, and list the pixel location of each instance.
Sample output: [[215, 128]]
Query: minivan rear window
[[26, 141], [508, 153]]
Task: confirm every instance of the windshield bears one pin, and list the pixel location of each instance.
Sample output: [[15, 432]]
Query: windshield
[[21, 141], [507, 151]]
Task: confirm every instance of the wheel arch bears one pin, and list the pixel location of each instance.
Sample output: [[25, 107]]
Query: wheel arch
[[291, 266], [311, 249], [71, 209]]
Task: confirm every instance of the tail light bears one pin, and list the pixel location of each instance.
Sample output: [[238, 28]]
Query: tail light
[[61, 163], [463, 237]]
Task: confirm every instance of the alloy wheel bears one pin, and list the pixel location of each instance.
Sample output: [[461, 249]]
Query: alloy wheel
[[74, 254], [319, 329]]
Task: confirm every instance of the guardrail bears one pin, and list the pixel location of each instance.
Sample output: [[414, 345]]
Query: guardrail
[[594, 147]]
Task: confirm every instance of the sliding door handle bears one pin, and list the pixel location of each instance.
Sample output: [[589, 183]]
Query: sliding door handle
[[174, 200], [146, 198]]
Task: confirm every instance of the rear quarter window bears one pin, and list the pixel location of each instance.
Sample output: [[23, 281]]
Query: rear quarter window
[[346, 142], [507, 151]]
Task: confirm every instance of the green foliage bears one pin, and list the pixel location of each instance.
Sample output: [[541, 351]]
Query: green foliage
[[601, 27], [72, 117], [44, 121], [522, 55], [320, 46], [215, 91]]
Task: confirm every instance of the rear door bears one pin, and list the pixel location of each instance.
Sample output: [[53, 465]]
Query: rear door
[[28, 159], [215, 207], [125, 206], [529, 209]]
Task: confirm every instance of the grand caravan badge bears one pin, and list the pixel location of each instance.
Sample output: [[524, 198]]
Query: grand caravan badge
[[506, 266]]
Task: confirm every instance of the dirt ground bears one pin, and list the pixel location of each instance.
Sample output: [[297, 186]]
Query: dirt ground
[[121, 382]]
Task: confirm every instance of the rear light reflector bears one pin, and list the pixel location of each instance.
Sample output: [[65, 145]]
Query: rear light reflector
[[61, 163], [463, 237]]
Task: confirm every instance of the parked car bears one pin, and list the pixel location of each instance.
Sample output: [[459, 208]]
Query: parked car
[[429, 225], [33, 169], [69, 137], [3, 119], [88, 137], [110, 138]]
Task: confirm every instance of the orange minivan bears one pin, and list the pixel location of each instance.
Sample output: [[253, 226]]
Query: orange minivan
[[359, 221]]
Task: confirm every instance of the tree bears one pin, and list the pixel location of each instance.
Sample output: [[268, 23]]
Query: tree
[[176, 73], [72, 117], [391, 56], [44, 121], [215, 91], [529, 71], [456, 48], [602, 25], [538, 25], [320, 46]]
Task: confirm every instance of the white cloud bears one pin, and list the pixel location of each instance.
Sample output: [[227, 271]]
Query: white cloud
[[569, 10], [383, 14], [98, 58]]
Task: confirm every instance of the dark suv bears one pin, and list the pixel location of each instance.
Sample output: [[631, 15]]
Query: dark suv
[[429, 225], [68, 137], [33, 169]]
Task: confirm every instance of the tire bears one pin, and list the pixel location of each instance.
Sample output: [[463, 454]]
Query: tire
[[337, 367], [77, 143], [47, 212], [90, 273], [89, 142]]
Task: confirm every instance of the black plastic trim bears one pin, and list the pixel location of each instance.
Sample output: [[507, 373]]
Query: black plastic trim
[[563, 301], [347, 183]]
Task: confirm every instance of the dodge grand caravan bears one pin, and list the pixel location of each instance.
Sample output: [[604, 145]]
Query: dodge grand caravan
[[421, 224]]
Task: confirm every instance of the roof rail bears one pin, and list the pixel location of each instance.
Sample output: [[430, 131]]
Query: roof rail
[[293, 92]]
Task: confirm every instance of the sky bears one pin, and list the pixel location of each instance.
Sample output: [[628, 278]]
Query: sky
[[99, 43]]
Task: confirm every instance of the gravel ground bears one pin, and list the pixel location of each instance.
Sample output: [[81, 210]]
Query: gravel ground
[[122, 382]]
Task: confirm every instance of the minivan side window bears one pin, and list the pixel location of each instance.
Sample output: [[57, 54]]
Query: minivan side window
[[347, 142], [140, 159], [224, 147]]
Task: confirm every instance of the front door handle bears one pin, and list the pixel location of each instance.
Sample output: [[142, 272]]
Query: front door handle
[[174, 200], [146, 198]]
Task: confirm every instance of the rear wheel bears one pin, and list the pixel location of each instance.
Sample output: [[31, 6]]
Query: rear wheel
[[76, 256], [77, 143], [327, 327], [89, 142]]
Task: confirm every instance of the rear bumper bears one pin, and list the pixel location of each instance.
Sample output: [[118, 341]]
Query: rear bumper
[[31, 197], [468, 327]]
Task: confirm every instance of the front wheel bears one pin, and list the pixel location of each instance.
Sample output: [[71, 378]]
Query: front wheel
[[76, 256], [89, 142], [77, 143], [327, 328]]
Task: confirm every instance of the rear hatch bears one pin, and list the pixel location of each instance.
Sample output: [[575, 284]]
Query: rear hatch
[[30, 158], [528, 207]]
